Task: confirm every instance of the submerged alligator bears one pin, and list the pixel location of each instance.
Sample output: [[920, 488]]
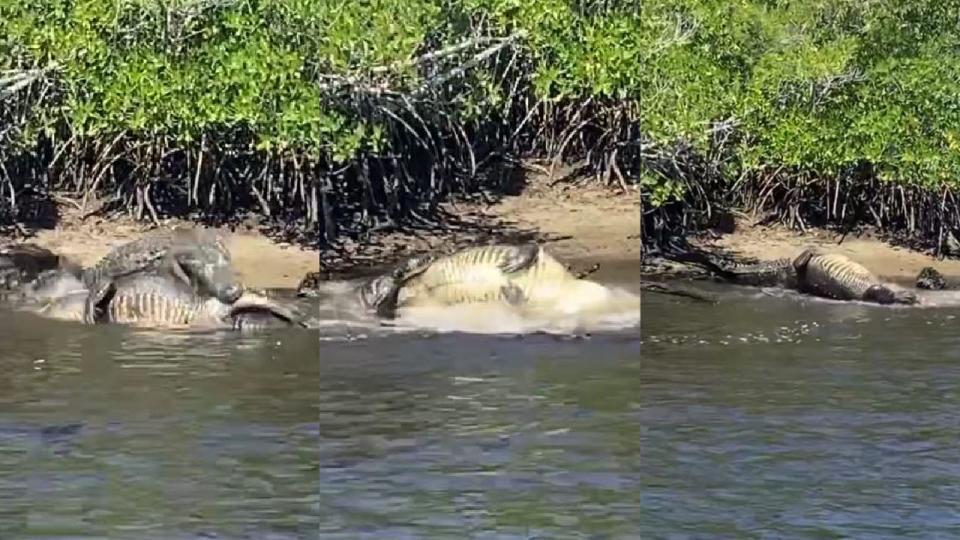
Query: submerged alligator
[[515, 274], [813, 271]]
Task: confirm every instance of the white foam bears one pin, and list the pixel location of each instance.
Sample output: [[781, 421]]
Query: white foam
[[579, 306]]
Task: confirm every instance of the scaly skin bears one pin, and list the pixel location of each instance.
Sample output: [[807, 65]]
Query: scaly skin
[[517, 275], [812, 271], [193, 256], [775, 273], [833, 275], [165, 247], [158, 300]]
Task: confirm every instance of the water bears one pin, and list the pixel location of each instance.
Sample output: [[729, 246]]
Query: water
[[791, 417], [120, 433], [354, 430]]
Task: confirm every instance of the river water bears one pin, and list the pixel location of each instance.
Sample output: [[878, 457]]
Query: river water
[[353, 430], [785, 416]]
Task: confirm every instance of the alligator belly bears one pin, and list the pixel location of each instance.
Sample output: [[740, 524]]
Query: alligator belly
[[151, 310], [838, 277]]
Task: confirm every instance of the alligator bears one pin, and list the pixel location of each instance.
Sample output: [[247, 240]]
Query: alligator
[[159, 299], [514, 274], [813, 271], [833, 275], [181, 246], [773, 273], [194, 256]]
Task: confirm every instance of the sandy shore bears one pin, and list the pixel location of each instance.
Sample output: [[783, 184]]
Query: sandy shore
[[260, 262], [580, 225], [887, 261]]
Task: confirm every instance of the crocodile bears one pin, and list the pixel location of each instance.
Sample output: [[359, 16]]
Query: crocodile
[[515, 274], [194, 256], [772, 273]]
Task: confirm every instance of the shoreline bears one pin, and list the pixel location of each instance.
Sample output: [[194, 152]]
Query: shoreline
[[581, 225], [889, 262]]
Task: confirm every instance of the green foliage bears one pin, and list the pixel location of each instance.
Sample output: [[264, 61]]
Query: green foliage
[[814, 86], [357, 109], [182, 68]]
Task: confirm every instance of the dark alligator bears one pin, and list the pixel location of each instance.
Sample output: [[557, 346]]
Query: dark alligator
[[194, 256], [774, 273]]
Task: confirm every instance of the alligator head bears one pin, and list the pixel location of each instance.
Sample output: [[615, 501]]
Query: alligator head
[[207, 268], [253, 311], [381, 293], [884, 294]]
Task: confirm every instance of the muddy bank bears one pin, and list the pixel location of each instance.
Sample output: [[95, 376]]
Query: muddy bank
[[581, 224]]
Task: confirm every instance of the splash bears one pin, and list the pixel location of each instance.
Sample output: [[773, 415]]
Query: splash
[[561, 309]]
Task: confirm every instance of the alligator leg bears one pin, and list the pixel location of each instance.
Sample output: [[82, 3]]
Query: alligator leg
[[97, 301]]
